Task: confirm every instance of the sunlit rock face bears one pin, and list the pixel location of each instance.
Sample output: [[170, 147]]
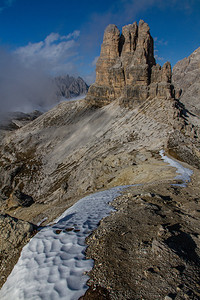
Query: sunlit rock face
[[126, 68], [186, 79]]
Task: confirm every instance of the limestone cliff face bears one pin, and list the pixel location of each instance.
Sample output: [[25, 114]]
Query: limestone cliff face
[[126, 68], [186, 79]]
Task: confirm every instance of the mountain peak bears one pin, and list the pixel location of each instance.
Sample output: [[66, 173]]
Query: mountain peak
[[127, 70]]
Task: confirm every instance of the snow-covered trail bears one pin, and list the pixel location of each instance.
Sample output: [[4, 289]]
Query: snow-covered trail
[[52, 264]]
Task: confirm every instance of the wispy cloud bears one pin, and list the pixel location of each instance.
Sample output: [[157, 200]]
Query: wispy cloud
[[160, 42], [95, 61], [52, 53], [5, 4], [124, 11], [159, 58], [131, 8]]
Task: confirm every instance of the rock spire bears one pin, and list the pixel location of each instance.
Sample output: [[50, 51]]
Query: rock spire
[[126, 69]]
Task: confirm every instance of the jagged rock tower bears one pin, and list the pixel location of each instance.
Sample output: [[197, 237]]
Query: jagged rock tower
[[126, 69]]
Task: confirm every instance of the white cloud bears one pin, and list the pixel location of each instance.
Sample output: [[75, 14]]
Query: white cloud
[[52, 37], [160, 42], [74, 34], [158, 57], [53, 53]]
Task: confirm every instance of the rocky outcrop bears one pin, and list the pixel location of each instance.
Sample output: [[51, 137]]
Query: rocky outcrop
[[126, 68], [19, 199], [186, 79], [68, 87], [14, 235]]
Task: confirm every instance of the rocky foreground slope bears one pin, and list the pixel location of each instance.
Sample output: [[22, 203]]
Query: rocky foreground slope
[[111, 138], [150, 248]]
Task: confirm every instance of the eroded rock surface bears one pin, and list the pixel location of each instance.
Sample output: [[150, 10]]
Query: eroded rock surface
[[14, 235]]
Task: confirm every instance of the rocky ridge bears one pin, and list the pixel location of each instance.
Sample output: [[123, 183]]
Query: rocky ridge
[[126, 68]]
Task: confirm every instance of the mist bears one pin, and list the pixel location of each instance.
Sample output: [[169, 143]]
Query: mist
[[26, 73], [23, 88]]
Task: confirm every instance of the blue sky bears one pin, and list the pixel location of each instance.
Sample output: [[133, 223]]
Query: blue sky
[[67, 34]]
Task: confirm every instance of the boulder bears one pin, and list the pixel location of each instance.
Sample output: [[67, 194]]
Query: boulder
[[17, 198]]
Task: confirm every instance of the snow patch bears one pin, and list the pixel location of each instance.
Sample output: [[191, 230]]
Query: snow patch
[[53, 263], [40, 222], [184, 174]]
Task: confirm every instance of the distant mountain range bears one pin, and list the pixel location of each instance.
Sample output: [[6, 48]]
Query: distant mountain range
[[70, 87]]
